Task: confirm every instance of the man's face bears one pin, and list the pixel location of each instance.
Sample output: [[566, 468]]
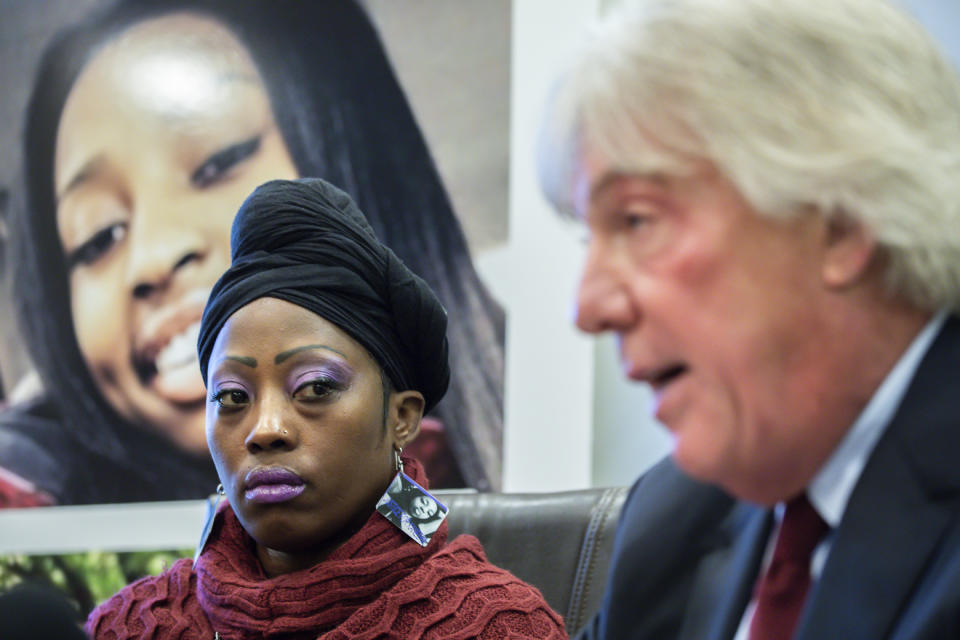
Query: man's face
[[719, 309]]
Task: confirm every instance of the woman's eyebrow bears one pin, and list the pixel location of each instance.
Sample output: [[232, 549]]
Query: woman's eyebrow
[[88, 170], [283, 355], [246, 360]]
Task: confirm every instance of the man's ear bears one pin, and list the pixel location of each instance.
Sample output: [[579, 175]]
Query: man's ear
[[848, 252], [403, 420]]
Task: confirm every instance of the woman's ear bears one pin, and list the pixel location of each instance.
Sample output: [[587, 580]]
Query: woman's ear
[[403, 421]]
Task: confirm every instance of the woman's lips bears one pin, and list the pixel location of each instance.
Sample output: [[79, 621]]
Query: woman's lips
[[272, 484]]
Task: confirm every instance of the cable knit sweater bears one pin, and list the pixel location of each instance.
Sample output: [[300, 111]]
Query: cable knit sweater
[[379, 584]]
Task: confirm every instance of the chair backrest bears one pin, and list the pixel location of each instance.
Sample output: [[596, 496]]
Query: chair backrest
[[559, 542]]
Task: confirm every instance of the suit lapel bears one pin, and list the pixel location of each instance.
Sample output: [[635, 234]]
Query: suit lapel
[[875, 561], [905, 498], [724, 581]]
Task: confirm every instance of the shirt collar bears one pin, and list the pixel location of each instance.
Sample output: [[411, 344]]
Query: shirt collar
[[830, 489]]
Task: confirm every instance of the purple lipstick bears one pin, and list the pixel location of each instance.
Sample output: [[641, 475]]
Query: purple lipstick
[[266, 485]]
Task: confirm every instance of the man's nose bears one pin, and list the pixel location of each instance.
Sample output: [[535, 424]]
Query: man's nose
[[603, 301]]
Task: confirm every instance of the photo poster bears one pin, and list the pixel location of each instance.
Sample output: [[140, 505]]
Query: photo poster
[[130, 133]]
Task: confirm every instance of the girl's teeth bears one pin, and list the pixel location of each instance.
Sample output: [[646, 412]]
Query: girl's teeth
[[182, 350]]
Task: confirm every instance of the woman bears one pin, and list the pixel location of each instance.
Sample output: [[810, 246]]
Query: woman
[[129, 199], [320, 351]]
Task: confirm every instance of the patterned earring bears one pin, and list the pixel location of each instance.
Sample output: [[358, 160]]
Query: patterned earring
[[213, 504], [410, 507]]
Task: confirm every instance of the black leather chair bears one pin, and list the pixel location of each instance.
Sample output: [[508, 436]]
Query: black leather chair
[[559, 542]]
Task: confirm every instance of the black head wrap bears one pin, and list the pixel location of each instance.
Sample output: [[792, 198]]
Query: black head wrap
[[306, 242]]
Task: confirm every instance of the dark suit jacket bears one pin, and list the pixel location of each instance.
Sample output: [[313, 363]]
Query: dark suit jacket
[[687, 555]]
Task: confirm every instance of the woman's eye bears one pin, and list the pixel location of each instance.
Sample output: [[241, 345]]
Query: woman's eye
[[316, 389], [97, 245], [231, 398], [217, 165]]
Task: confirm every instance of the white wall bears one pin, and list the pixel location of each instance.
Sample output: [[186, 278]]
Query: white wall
[[942, 19], [626, 438], [571, 419], [549, 379]]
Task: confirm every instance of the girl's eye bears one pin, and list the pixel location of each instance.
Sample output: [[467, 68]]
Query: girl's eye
[[231, 398], [318, 389], [97, 245], [217, 165]]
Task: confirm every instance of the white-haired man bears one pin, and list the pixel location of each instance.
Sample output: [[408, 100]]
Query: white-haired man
[[772, 191]]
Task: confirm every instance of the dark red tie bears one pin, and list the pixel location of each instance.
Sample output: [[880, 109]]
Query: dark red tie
[[782, 591]]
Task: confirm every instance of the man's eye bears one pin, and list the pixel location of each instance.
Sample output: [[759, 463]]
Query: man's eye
[[217, 165], [97, 245], [636, 220], [231, 398]]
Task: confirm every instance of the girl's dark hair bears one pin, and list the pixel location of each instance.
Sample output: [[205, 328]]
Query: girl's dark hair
[[344, 118], [405, 500]]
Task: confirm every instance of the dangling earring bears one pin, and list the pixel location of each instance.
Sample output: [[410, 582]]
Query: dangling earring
[[213, 503], [397, 461], [410, 507]]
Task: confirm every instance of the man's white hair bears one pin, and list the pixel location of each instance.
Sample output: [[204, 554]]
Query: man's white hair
[[846, 106]]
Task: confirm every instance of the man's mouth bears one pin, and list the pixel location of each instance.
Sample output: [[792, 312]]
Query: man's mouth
[[662, 377]]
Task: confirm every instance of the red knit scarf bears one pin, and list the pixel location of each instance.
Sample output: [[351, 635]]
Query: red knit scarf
[[378, 584]]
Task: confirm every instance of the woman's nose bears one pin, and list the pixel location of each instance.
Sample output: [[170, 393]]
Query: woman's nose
[[159, 248], [603, 298], [270, 434]]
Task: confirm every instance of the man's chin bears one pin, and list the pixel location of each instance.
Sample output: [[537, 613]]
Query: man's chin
[[697, 463]]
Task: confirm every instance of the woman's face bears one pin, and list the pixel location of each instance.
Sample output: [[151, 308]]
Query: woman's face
[[423, 508], [164, 134], [295, 423]]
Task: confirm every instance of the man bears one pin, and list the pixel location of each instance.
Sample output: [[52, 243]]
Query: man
[[772, 191]]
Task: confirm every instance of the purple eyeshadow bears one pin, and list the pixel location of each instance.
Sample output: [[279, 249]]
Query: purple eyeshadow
[[337, 372], [230, 384], [223, 382]]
